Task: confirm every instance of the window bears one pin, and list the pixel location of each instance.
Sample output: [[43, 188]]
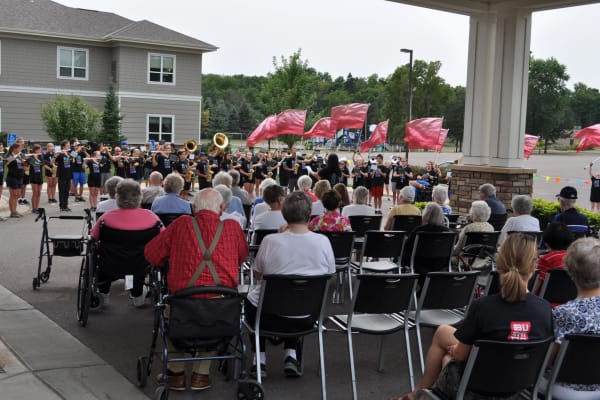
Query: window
[[161, 69], [160, 128], [72, 63]]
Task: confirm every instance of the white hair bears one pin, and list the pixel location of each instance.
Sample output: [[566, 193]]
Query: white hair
[[480, 211], [173, 183], [407, 194], [225, 193], [304, 182], [222, 178], [208, 199]]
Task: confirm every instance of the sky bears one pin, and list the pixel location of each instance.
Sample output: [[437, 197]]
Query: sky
[[361, 37]]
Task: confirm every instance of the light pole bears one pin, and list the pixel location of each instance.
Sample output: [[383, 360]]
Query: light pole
[[410, 70]]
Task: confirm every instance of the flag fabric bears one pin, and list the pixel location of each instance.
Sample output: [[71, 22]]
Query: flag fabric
[[262, 131], [349, 116], [321, 128], [530, 143], [588, 137], [442, 140], [378, 136], [424, 133]]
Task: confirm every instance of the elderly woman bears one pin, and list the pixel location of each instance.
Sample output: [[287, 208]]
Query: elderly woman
[[490, 318], [479, 213], [227, 194], [111, 188], [359, 207], [224, 178], [405, 207], [170, 202], [433, 221], [439, 195], [522, 221], [321, 187], [581, 315], [128, 217], [331, 220], [259, 205], [304, 185]]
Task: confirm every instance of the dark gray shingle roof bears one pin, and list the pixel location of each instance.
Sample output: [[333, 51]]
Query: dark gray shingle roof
[[45, 17]]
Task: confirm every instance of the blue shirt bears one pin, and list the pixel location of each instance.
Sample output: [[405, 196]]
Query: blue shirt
[[171, 203], [236, 205]]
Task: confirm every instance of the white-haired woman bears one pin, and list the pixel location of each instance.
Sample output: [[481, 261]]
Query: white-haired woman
[[439, 195], [479, 214]]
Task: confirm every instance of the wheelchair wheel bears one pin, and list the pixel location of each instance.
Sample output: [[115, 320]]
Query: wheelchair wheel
[[161, 393], [45, 276], [250, 390], [84, 292], [142, 371]]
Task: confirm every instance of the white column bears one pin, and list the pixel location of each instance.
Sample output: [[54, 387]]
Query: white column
[[496, 98]]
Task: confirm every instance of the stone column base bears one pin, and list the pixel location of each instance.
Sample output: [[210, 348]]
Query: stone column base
[[509, 182]]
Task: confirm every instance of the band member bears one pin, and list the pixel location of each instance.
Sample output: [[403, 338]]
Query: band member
[[1, 170], [202, 171], [120, 162], [247, 174], [50, 172], [64, 173], [161, 160], [14, 177], [360, 174], [36, 179], [345, 172], [184, 168], [94, 178], [378, 174], [135, 166], [289, 165], [401, 174], [226, 163], [260, 170], [272, 166], [77, 169], [105, 167], [22, 200]]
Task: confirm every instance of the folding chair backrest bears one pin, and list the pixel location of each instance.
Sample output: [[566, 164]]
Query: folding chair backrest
[[384, 293], [406, 222], [448, 290], [293, 295], [482, 238], [538, 235], [572, 370], [259, 235], [432, 251], [383, 244], [121, 252], [558, 287], [362, 223], [502, 367], [341, 243], [167, 218], [494, 282], [497, 221]]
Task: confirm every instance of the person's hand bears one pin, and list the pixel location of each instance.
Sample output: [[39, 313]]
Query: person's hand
[[450, 350]]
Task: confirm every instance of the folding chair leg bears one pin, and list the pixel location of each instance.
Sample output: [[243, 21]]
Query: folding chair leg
[[257, 356], [322, 362], [420, 345], [352, 370], [380, 366], [411, 372], [349, 273]]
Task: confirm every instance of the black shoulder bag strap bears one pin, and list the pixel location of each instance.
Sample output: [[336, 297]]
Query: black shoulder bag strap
[[206, 254]]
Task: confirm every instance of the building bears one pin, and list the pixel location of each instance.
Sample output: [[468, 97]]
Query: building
[[47, 49]]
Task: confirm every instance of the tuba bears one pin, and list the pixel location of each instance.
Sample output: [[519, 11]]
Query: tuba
[[190, 146], [220, 140]]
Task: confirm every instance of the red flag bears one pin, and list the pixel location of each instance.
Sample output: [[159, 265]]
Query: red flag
[[424, 133], [442, 140], [348, 116], [378, 136], [530, 143], [263, 131], [321, 128], [290, 122], [588, 137]]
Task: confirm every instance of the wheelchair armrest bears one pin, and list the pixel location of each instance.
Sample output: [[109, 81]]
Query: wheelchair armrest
[[195, 290]]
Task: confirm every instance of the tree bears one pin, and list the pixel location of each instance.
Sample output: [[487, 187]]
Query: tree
[[111, 119], [454, 117], [70, 116], [585, 105], [548, 113]]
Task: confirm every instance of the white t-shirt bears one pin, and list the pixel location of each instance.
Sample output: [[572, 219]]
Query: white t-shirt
[[317, 208], [269, 220], [106, 206], [259, 209], [357, 209], [292, 254], [236, 216], [522, 223]]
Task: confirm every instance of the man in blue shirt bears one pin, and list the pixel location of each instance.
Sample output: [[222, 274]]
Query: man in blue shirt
[[568, 213], [170, 202]]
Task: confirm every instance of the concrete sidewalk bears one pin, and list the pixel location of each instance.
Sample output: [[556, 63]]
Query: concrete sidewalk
[[40, 360]]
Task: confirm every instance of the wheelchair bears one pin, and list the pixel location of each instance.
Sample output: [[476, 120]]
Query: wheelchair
[[61, 245], [115, 255], [195, 324]]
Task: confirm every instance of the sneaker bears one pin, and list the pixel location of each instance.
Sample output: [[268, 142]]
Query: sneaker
[[200, 382], [52, 201], [25, 202], [141, 299], [263, 371], [291, 367], [3, 218], [176, 382], [79, 198], [35, 211], [65, 209], [15, 215]]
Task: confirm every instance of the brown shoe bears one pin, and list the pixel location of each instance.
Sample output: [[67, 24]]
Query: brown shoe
[[200, 382], [175, 382]]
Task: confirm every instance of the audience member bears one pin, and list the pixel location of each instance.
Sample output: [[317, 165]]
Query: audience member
[[321, 187], [359, 206], [341, 189], [487, 193], [568, 213], [273, 218], [236, 190], [331, 220], [154, 189], [557, 238], [405, 206], [479, 213], [439, 195], [305, 185], [170, 202], [226, 194], [111, 188], [522, 221]]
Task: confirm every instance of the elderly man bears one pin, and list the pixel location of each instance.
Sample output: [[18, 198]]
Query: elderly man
[[154, 190], [271, 219], [127, 216], [487, 193], [236, 216], [179, 244], [111, 189], [223, 178], [236, 190], [170, 202], [359, 206], [568, 213], [405, 206], [522, 221], [296, 251]]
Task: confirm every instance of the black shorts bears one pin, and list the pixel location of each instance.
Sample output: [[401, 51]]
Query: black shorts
[[14, 183], [187, 185], [94, 181], [595, 195], [25, 180]]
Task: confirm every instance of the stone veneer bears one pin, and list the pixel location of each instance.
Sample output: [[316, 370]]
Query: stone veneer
[[509, 182]]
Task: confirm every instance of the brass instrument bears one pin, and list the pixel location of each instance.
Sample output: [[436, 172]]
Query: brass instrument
[[209, 175], [109, 149], [54, 170], [87, 147], [220, 140], [191, 146], [189, 172], [296, 167], [251, 174]]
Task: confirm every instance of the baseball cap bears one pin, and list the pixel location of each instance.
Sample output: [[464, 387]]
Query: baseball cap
[[568, 192], [202, 153]]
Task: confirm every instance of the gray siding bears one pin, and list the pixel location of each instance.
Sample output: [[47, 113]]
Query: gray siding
[[33, 64], [135, 112], [21, 113], [132, 72]]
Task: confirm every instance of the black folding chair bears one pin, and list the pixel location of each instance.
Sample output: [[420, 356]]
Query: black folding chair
[[500, 369], [432, 251], [497, 221], [579, 231], [377, 298], [292, 295], [167, 218], [362, 223], [558, 287], [386, 247], [493, 283], [342, 244], [569, 366], [478, 246], [406, 222], [444, 299]]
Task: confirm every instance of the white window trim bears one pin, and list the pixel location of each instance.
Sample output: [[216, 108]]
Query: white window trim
[[0, 57], [87, 63], [161, 116], [174, 69]]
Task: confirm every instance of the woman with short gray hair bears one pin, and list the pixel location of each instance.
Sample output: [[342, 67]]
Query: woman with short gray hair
[[439, 195], [521, 221], [359, 207], [433, 221], [479, 213], [405, 207]]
